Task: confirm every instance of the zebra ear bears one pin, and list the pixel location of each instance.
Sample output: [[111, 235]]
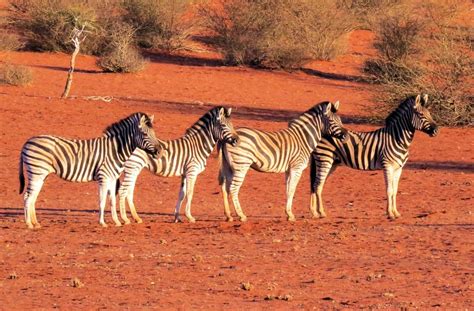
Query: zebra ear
[[335, 106], [425, 100], [152, 117], [328, 108], [227, 111], [417, 101]]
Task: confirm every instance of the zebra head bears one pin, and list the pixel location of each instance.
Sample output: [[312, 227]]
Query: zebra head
[[224, 129], [421, 117], [146, 138], [332, 122]]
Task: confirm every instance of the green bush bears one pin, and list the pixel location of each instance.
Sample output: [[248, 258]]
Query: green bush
[[276, 33]]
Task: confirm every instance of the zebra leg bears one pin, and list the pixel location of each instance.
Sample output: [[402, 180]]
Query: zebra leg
[[319, 189], [113, 203], [126, 194], [191, 180], [396, 178], [225, 194], [388, 174], [102, 201], [182, 191], [35, 183], [292, 178], [235, 184]]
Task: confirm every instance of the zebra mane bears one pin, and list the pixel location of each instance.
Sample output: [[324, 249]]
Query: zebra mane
[[404, 107], [202, 122], [313, 110], [117, 127]]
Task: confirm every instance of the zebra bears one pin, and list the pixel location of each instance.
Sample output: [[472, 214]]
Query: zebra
[[100, 159], [385, 148], [185, 157], [287, 150]]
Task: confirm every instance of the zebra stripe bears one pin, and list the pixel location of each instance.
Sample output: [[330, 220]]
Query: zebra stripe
[[385, 148], [185, 156], [101, 159], [287, 150]]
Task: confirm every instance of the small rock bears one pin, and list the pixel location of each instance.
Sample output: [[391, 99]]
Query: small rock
[[75, 282], [246, 286]]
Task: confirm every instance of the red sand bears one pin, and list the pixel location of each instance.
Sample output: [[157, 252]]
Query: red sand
[[355, 258]]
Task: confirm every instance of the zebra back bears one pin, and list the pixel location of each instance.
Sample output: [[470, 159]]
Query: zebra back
[[189, 152], [390, 144], [90, 159]]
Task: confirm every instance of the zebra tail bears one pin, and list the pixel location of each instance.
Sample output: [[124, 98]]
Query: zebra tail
[[220, 175], [225, 166], [117, 186], [21, 176], [312, 174]]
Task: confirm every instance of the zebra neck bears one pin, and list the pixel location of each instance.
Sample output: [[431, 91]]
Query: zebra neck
[[204, 139], [402, 133], [123, 147], [307, 134]]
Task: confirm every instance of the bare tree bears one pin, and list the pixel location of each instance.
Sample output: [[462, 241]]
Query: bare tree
[[78, 36]]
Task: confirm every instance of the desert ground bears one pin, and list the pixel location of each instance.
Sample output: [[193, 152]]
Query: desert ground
[[353, 259]]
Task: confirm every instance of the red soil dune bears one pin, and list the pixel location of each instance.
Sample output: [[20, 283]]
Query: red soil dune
[[354, 258]]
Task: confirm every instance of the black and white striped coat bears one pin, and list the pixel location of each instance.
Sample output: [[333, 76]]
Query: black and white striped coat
[[383, 149], [285, 151], [100, 159], [185, 156]]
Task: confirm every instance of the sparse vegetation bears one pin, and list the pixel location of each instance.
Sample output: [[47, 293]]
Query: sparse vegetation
[[276, 34], [160, 24], [15, 74], [405, 66], [47, 24], [9, 41], [120, 53]]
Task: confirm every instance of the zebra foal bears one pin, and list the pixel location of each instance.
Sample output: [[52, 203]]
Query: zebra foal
[[383, 149], [101, 159], [185, 156], [287, 151]]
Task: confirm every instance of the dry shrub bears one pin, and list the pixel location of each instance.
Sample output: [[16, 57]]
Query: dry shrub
[[10, 42], [427, 50], [160, 24], [365, 12], [15, 74], [121, 54], [275, 33], [48, 24]]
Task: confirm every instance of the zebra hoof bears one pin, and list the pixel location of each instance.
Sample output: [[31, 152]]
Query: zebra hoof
[[37, 225], [118, 224], [315, 216], [229, 219], [191, 220], [126, 222], [177, 219], [243, 218], [104, 225], [139, 220], [30, 225], [291, 218]]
